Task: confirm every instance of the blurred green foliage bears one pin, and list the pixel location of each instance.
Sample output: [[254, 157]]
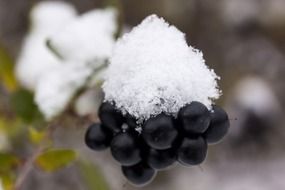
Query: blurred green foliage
[[7, 77], [22, 102], [8, 162], [54, 159]]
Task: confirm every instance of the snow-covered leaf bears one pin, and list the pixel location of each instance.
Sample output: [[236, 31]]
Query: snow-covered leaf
[[56, 89], [87, 38], [35, 58]]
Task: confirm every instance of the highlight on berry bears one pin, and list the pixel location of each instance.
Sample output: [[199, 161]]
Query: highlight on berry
[[158, 143]]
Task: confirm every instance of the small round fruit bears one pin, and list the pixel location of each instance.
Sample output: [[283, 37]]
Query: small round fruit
[[192, 151], [219, 125], [131, 121], [159, 132], [139, 174], [125, 149], [110, 117], [161, 159], [194, 118], [98, 137]]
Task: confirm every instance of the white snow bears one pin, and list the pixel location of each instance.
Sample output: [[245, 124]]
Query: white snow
[[153, 70], [56, 89], [84, 42], [35, 58], [88, 37]]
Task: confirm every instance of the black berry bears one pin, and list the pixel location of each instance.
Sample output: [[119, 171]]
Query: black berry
[[131, 121], [192, 151], [110, 117], [159, 132], [98, 137], [194, 118], [161, 159], [219, 125], [139, 174], [125, 149]]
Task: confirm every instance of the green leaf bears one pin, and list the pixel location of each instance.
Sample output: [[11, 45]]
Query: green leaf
[[7, 76], [36, 136], [54, 159], [22, 102], [92, 176], [8, 162], [8, 180]]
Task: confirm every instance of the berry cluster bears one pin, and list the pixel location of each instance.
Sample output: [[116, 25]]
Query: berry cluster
[[160, 141]]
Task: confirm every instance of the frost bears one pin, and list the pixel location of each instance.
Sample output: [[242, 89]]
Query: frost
[[35, 58], [153, 70], [92, 32]]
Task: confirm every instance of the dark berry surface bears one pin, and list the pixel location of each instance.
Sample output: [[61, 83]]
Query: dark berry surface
[[194, 118], [125, 149], [192, 151], [98, 137], [110, 117], [131, 121], [157, 143], [139, 174], [219, 125], [161, 159], [159, 132]]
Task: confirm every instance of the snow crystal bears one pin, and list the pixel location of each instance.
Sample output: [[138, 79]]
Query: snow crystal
[[153, 70], [35, 58], [55, 90], [87, 38]]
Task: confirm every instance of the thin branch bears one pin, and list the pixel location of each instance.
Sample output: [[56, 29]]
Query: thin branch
[[28, 166]]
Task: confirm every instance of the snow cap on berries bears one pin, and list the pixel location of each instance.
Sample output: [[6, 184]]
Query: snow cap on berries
[[153, 70]]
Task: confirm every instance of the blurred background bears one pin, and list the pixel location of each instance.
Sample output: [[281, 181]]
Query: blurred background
[[242, 40]]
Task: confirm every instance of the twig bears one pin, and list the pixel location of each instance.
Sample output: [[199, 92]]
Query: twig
[[27, 167]]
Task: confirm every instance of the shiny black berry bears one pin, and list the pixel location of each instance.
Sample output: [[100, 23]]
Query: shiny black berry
[[139, 174], [110, 117], [131, 121], [194, 118], [161, 159], [219, 125], [192, 151], [98, 137], [125, 149], [159, 132]]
